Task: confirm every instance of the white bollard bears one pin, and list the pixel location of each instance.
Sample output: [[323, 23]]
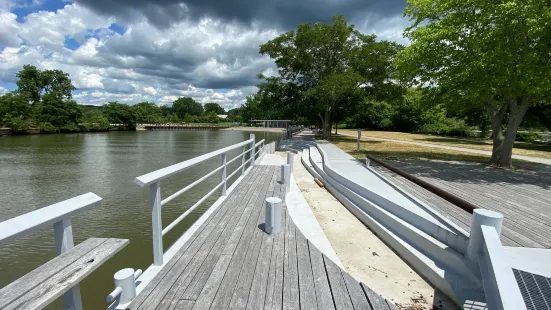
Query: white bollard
[[476, 240], [126, 280], [367, 162], [285, 176], [290, 158], [272, 220]]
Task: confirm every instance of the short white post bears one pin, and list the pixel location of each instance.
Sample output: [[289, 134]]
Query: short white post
[[476, 240], [272, 220], [224, 157], [63, 234], [290, 158], [286, 176], [367, 162], [252, 149], [156, 223], [243, 159], [359, 136], [126, 280]]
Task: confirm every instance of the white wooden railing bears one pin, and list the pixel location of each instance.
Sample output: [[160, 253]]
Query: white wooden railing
[[59, 215], [153, 179], [500, 286]]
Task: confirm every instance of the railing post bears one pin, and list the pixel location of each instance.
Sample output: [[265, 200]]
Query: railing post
[[243, 159], [63, 233], [224, 157], [290, 158], [252, 149], [476, 239], [156, 223]]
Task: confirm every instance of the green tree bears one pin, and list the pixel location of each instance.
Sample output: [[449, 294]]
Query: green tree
[[492, 53], [35, 83], [119, 113], [13, 105], [95, 120], [186, 105], [214, 107], [331, 64], [60, 113], [148, 112]]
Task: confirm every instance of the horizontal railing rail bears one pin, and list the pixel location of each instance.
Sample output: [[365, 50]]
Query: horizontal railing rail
[[59, 215], [153, 179]]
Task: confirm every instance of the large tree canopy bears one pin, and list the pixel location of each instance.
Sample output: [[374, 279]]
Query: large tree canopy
[[330, 64], [490, 53], [186, 105]]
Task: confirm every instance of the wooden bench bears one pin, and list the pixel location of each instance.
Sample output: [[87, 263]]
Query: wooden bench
[[46, 283]]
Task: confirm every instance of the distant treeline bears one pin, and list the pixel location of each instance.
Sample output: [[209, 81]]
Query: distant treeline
[[43, 100]]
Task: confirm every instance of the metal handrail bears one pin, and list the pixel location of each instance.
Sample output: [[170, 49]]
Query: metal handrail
[[59, 215], [153, 179], [158, 175]]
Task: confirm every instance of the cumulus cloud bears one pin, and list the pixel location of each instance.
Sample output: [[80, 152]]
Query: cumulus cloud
[[158, 50]]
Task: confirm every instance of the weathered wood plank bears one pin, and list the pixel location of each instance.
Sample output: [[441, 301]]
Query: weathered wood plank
[[305, 278], [290, 288], [259, 285], [213, 283], [155, 291], [357, 295], [375, 300], [242, 207], [201, 265], [338, 288], [243, 287], [47, 291], [167, 270], [274, 290], [321, 283], [185, 304], [225, 292], [29, 281]]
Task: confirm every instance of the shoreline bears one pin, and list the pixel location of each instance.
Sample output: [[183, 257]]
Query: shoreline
[[242, 128]]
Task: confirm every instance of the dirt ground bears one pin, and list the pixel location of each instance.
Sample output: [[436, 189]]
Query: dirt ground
[[363, 254]]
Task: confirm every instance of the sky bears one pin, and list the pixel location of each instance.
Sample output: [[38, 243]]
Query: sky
[[158, 50]]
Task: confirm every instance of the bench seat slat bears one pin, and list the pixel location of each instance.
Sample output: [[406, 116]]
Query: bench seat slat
[[43, 285]]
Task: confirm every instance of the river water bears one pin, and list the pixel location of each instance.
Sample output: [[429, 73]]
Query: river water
[[39, 170]]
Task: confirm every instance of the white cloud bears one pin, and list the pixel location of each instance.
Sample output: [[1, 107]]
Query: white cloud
[[3, 90], [209, 60], [9, 29]]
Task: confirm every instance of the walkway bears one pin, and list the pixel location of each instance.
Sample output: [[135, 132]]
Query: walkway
[[523, 197], [460, 149], [230, 263]]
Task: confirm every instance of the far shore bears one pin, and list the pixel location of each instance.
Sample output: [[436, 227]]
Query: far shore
[[265, 129]]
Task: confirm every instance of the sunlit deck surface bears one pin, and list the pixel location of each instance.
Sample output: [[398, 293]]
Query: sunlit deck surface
[[230, 263]]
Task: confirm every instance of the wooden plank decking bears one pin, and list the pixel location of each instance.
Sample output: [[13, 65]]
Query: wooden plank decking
[[523, 197], [230, 263]]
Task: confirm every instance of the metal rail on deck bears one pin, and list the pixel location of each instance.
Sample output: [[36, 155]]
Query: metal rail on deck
[[59, 215], [153, 179]]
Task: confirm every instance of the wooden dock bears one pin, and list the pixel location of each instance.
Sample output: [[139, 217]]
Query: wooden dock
[[523, 197], [183, 127], [231, 263]]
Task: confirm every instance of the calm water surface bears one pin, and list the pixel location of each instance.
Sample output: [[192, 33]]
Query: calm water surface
[[39, 170]]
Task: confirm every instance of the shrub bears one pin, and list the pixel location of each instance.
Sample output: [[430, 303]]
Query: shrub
[[528, 136], [448, 127], [47, 127]]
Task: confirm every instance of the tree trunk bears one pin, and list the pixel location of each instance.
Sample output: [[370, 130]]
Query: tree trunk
[[336, 127], [327, 125], [503, 142]]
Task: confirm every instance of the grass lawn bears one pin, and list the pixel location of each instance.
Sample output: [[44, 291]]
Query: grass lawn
[[396, 150], [521, 148]]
